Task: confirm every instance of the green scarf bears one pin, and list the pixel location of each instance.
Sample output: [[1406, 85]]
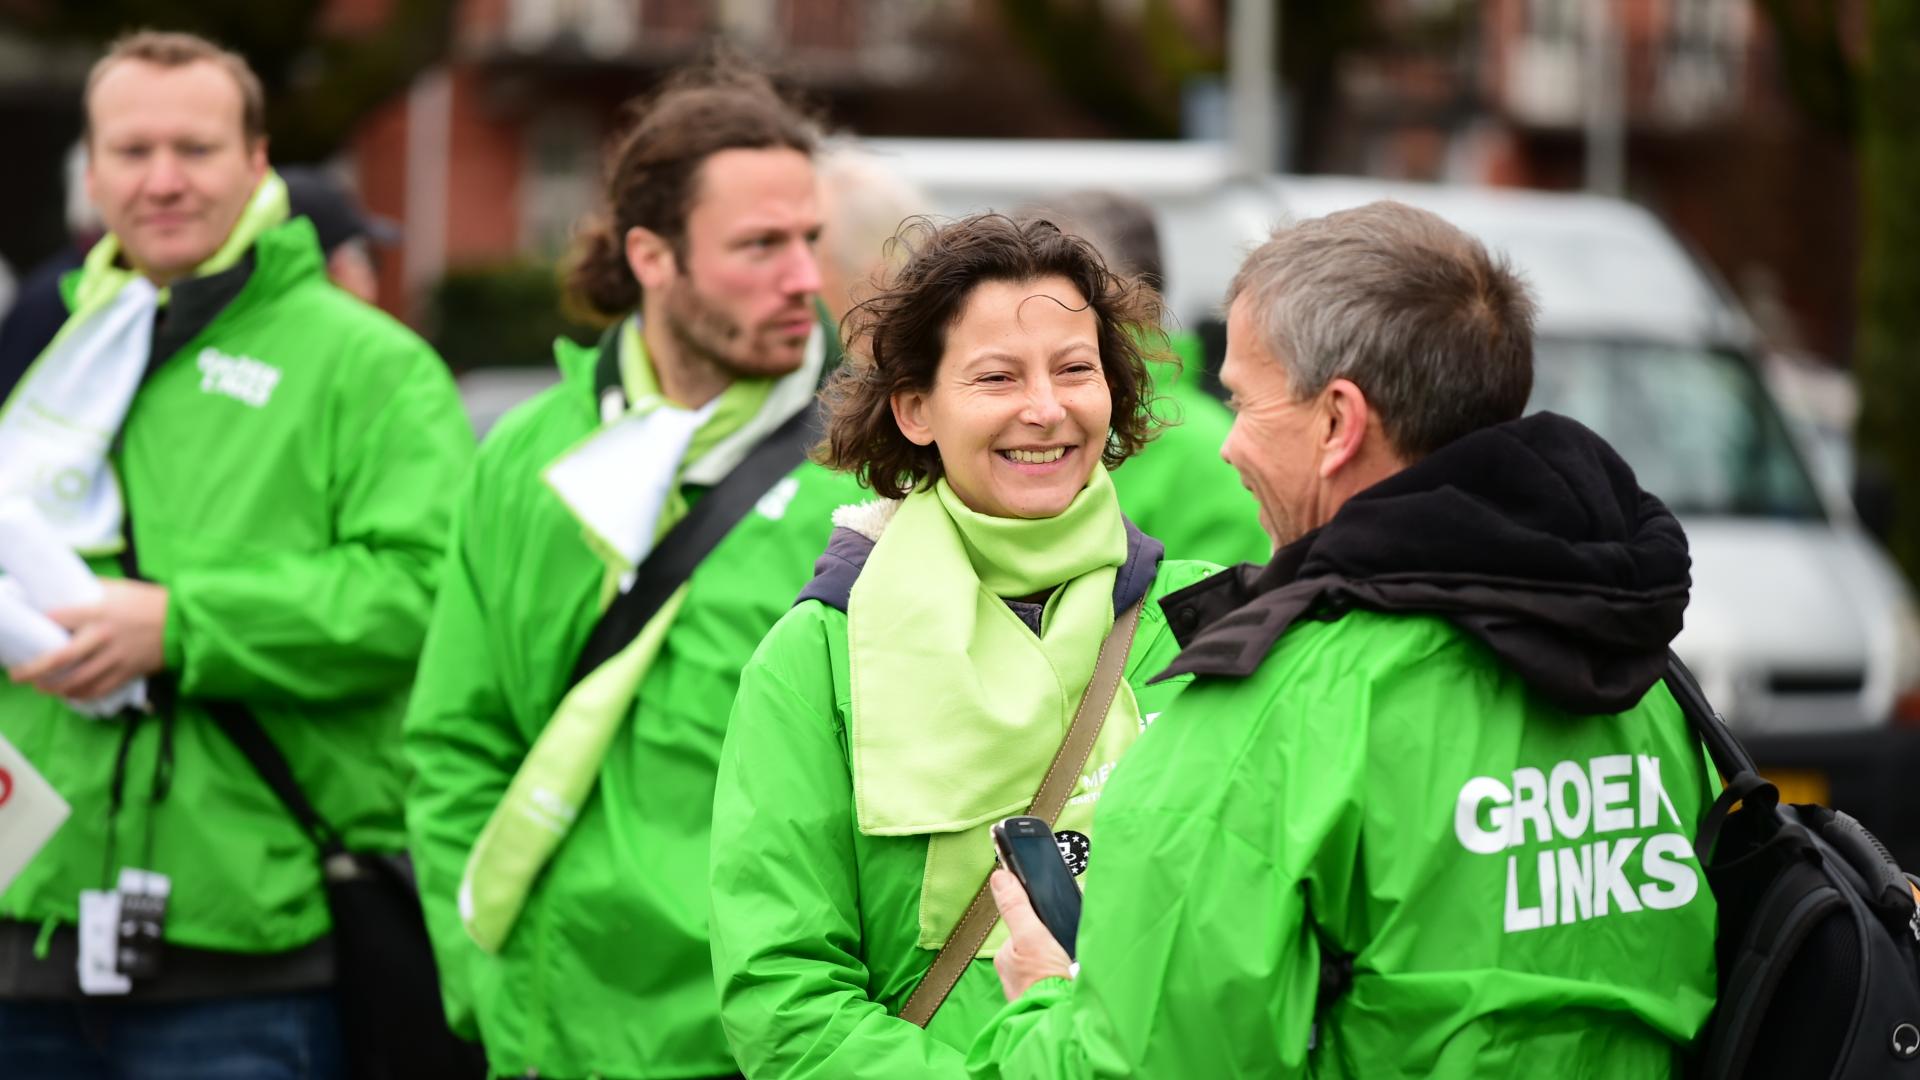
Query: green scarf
[[958, 707], [558, 774]]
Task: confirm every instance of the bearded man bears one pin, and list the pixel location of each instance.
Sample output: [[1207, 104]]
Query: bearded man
[[564, 775]]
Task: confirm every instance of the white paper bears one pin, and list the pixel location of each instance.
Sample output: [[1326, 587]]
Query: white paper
[[144, 882], [99, 960], [31, 553], [56, 435], [30, 812], [25, 635]]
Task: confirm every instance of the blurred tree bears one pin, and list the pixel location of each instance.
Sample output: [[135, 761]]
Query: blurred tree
[[320, 79], [1127, 74], [501, 315], [1814, 59], [1885, 360], [1131, 72], [1865, 93]]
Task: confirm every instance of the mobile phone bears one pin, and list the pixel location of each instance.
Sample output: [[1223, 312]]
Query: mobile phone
[[1027, 848]]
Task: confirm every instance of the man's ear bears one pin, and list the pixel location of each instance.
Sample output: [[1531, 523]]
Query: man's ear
[[910, 413], [87, 177], [257, 158], [1345, 426], [651, 259]]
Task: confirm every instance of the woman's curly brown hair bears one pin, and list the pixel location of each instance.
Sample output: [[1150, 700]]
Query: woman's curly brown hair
[[895, 340]]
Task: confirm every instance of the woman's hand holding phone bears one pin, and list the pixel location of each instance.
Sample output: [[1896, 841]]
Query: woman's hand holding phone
[[1031, 953]]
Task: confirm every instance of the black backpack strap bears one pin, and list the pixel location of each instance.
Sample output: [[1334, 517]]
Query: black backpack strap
[[681, 551], [606, 372], [1744, 784], [1729, 756], [1741, 788]]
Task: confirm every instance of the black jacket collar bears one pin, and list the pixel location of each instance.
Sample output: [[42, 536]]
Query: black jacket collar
[[1531, 535], [192, 305]]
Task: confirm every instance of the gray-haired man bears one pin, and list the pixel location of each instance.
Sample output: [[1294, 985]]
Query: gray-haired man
[[1427, 809]]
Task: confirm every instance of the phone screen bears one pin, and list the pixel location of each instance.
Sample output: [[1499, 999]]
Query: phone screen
[[1028, 849]]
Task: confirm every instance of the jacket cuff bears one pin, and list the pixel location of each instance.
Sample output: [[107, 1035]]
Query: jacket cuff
[[173, 645]]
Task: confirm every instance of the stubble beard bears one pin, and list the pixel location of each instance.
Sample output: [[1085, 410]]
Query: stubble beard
[[708, 337]]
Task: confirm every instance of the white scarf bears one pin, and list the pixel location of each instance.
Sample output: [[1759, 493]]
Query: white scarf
[[618, 481], [56, 428]]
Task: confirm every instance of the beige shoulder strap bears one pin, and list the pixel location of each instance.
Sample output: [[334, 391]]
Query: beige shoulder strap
[[974, 926]]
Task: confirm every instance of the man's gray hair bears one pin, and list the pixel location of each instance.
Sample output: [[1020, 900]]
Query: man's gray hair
[[1120, 226], [864, 204], [1436, 332]]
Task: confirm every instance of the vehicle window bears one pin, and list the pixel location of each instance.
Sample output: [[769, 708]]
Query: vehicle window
[[1696, 425]]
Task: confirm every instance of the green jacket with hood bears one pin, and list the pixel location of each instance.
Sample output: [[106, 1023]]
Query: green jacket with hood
[[1429, 740], [606, 971], [298, 539], [817, 926]]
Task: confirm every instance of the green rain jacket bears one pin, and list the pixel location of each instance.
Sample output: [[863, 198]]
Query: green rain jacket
[[298, 540], [1177, 488], [606, 972], [816, 927], [1428, 740]]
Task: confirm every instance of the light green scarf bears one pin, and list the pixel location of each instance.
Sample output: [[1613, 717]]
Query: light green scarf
[[558, 774], [958, 707]]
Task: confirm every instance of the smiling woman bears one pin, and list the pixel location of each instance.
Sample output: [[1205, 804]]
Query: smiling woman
[[922, 686], [1000, 335], [1019, 407]]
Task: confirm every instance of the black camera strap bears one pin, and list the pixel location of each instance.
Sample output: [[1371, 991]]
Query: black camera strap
[[691, 539], [234, 719]]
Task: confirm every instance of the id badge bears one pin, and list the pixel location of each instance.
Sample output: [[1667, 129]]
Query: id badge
[[99, 944], [142, 924]]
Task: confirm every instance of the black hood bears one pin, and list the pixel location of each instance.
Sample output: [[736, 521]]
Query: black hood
[[1531, 535]]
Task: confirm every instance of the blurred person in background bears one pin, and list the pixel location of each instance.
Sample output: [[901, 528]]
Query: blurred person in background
[[38, 308], [348, 235], [1427, 808], [921, 688], [276, 460], [8, 288], [862, 205], [1178, 489], [561, 815]]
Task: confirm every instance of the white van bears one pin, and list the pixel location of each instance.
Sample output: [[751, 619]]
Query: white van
[[1800, 628]]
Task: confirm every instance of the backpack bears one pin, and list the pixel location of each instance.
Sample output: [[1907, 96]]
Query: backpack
[[1818, 944]]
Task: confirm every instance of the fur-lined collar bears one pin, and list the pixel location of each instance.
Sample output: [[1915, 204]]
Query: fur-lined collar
[[869, 518]]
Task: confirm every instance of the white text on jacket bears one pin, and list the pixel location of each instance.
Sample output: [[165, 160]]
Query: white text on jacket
[[1562, 876]]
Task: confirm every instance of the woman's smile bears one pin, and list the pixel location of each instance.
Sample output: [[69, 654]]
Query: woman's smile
[[1018, 398], [1036, 457]]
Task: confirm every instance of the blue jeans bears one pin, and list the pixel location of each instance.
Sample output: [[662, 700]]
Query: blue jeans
[[277, 1037]]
